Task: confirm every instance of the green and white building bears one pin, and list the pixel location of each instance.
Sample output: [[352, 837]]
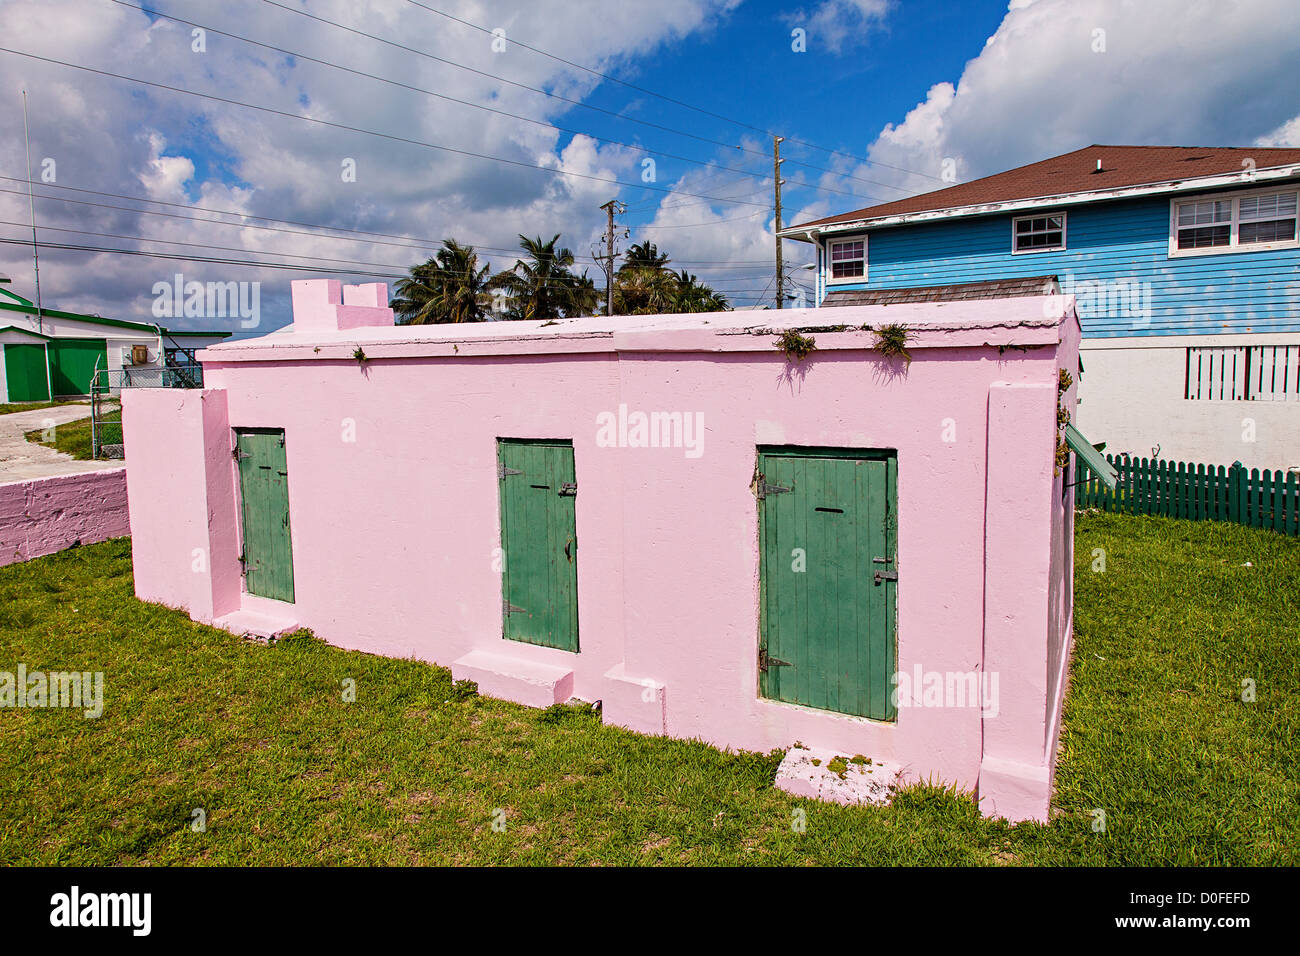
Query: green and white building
[[48, 353]]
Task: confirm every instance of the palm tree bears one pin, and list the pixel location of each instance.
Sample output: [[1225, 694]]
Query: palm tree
[[542, 285], [643, 255], [644, 290], [642, 286], [450, 287], [586, 298], [694, 296]]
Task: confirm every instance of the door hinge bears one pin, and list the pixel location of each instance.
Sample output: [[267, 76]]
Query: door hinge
[[765, 488], [766, 660], [509, 608], [238, 455], [503, 471], [569, 489]]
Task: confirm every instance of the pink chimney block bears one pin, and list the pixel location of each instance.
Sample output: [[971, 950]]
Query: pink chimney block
[[326, 305], [372, 294]]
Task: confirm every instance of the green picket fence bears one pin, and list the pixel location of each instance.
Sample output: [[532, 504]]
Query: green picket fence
[[1267, 499]]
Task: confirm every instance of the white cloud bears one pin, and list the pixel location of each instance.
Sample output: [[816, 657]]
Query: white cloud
[[1160, 72], [1288, 134], [116, 137], [837, 25]]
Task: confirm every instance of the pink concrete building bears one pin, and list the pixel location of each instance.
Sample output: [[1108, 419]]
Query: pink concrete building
[[863, 553]]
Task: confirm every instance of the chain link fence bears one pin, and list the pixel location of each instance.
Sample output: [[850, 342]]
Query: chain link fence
[[106, 402]]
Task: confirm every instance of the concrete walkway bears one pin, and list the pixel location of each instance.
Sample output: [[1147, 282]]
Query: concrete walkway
[[21, 459]]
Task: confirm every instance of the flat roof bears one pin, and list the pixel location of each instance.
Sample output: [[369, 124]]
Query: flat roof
[[1028, 320]]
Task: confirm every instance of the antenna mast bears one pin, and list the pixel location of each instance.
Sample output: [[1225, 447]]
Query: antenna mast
[[31, 208]]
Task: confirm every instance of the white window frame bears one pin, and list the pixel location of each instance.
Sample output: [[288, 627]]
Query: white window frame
[[1039, 215], [830, 264], [1233, 247]]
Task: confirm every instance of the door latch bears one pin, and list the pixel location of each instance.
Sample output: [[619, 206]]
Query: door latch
[[886, 576], [569, 489]]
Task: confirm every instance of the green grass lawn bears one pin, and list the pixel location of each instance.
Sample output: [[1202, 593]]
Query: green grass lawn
[[7, 408], [415, 769], [74, 438]]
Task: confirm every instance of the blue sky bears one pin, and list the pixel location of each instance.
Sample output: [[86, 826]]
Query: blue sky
[[894, 85], [745, 69]]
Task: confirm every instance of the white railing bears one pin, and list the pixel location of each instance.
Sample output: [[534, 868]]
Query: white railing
[[1243, 373]]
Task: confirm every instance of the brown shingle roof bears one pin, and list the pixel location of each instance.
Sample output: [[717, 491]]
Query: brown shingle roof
[[988, 289], [1074, 173]]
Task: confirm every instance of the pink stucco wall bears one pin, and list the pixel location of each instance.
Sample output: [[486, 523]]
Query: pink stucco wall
[[395, 525], [44, 515]]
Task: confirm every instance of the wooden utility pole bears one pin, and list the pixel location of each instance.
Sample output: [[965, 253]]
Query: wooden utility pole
[[776, 179], [610, 208]]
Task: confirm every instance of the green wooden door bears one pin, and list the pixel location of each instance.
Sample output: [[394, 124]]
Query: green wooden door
[[264, 497], [539, 542], [25, 373], [828, 576], [73, 363]]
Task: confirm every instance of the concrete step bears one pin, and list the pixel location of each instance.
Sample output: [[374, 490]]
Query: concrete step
[[514, 678], [256, 624], [817, 774]]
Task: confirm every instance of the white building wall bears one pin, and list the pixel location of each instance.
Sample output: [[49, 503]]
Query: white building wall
[[1132, 396], [116, 339]]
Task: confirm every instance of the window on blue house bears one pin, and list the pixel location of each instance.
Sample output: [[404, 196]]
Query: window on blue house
[[1202, 224], [1038, 233], [1235, 223], [1267, 218], [849, 259]]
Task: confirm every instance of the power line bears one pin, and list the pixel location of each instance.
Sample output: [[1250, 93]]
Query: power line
[[209, 259], [209, 245], [689, 106], [416, 244], [417, 89], [690, 225], [598, 109], [216, 222], [422, 248], [227, 261], [357, 129]]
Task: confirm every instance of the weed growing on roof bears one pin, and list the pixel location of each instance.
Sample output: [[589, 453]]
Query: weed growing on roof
[[891, 340], [795, 346]]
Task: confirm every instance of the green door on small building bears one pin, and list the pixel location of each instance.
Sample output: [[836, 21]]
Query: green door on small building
[[73, 363], [25, 373], [828, 579], [539, 542], [264, 509]]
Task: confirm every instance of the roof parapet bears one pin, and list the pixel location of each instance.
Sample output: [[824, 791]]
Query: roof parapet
[[327, 305]]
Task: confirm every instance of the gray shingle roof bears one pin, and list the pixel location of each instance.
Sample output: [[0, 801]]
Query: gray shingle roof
[[988, 289]]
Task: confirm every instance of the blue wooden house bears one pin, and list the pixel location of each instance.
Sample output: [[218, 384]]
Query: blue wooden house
[[1185, 264]]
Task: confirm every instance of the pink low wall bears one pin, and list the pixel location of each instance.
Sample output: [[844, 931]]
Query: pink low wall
[[45, 515], [395, 521]]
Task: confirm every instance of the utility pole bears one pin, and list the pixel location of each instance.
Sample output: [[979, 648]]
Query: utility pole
[[31, 208], [776, 179], [611, 207]]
